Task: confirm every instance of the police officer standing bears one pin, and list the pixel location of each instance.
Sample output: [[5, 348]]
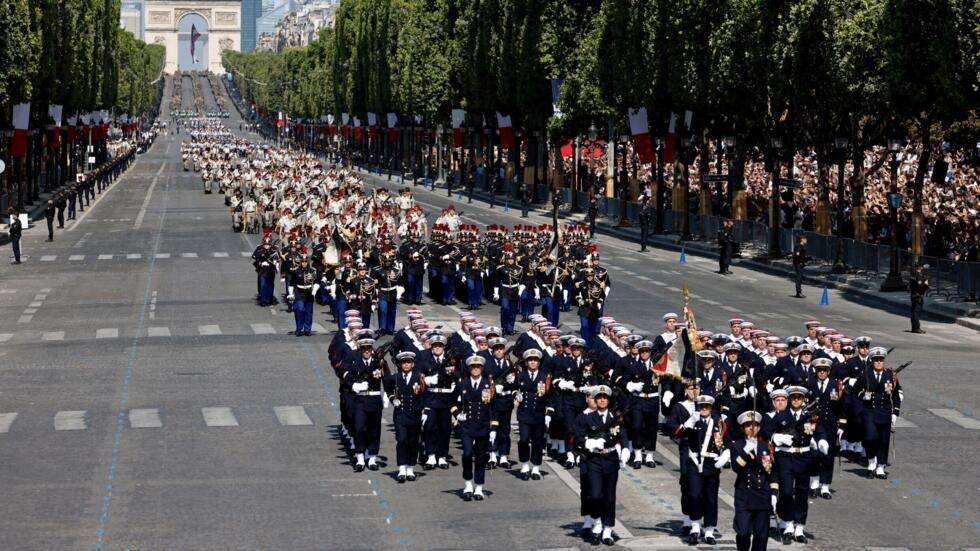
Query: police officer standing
[[404, 390], [918, 287], [726, 242], [646, 222], [799, 262], [49, 211], [474, 395], [601, 436], [15, 231]]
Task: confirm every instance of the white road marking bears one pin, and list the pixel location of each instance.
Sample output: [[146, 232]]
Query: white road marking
[[246, 253], [53, 336], [4, 337], [903, 423], [70, 420], [76, 257], [105, 257], [146, 201], [629, 273], [674, 289], [292, 415], [644, 278], [158, 331], [729, 308], [40, 296], [319, 328], [956, 417], [263, 329], [148, 418], [219, 417], [49, 258], [30, 310], [188, 255], [773, 315], [162, 255], [134, 256], [220, 255], [107, 333], [711, 302], [6, 419], [208, 329], [25, 319], [659, 283]]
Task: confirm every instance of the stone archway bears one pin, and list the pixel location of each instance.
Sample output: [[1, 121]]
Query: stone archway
[[165, 22]]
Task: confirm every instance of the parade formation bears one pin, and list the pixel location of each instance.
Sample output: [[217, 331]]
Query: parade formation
[[778, 410]]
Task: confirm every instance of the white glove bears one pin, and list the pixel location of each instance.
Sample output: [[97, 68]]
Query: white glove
[[385, 402], [374, 307], [333, 289], [462, 279], [564, 295], [593, 444], [866, 396], [399, 291], [840, 434], [445, 257], [509, 378], [290, 296], [824, 447], [751, 445], [752, 391], [461, 417], [425, 417], [431, 379], [780, 439], [689, 424], [493, 436], [359, 387], [634, 386], [851, 381], [772, 500], [520, 289], [668, 398], [316, 288], [396, 402], [264, 264], [547, 421], [496, 295], [720, 462], [537, 294], [499, 388], [566, 385], [894, 418], [606, 290]]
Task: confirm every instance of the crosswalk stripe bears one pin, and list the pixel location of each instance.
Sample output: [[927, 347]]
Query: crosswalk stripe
[[292, 415], [246, 253], [729, 308], [53, 336], [30, 310], [158, 331], [674, 289], [6, 419], [148, 418], [25, 319], [956, 417], [76, 257], [107, 333], [208, 329], [188, 255], [35, 304], [659, 283], [70, 420], [49, 257], [134, 256], [220, 255], [40, 296], [903, 423], [162, 255], [711, 302], [219, 417], [263, 329], [4, 337], [105, 257]]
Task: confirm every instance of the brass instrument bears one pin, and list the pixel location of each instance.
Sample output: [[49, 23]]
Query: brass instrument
[[692, 324]]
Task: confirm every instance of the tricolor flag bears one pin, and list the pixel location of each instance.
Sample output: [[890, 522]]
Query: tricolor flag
[[670, 143], [372, 121], [556, 84], [392, 127], [22, 119], [195, 36], [641, 134], [54, 132], [506, 131], [279, 121], [458, 117]]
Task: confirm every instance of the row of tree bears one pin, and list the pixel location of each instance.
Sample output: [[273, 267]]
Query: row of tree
[[73, 53], [805, 71]]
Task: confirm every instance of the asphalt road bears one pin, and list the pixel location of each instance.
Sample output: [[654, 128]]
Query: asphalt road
[[146, 403]]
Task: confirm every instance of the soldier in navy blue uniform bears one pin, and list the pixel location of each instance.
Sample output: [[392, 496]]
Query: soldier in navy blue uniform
[[507, 279], [573, 375], [600, 436], [756, 486], [712, 378], [680, 411], [707, 453], [504, 374], [881, 397], [791, 431], [826, 393], [365, 376], [265, 259], [643, 385], [405, 390], [589, 295], [440, 385], [387, 279], [534, 411], [473, 414], [305, 287]]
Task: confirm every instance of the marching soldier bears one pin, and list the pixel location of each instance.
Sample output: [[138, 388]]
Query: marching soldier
[[266, 261], [826, 393], [474, 268], [507, 291], [474, 396], [643, 385], [365, 375], [756, 487], [589, 295], [440, 378], [881, 399], [534, 411], [387, 282], [405, 390], [707, 453], [550, 282], [601, 436], [343, 290], [365, 293], [504, 374], [305, 287], [412, 255]]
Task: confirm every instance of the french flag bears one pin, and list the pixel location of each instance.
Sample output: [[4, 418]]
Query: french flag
[[458, 117], [372, 125], [22, 119], [506, 131], [671, 143], [392, 127], [195, 36], [641, 134]]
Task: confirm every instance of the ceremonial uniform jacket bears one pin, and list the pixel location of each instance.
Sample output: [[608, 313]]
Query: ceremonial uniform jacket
[[706, 441], [440, 394], [591, 425], [475, 400], [373, 371], [410, 395], [828, 407], [303, 281], [508, 280], [755, 480], [879, 404], [534, 395], [386, 280], [265, 255], [504, 376]]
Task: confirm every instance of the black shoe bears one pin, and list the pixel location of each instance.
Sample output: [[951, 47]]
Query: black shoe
[[814, 493], [826, 495], [728, 272], [637, 464], [410, 477], [608, 541], [444, 466], [373, 466], [535, 476], [491, 465], [710, 540], [569, 464], [478, 497], [400, 478], [50, 240], [685, 530], [800, 538], [505, 464], [595, 538], [467, 496], [650, 464], [693, 538], [882, 476], [525, 476], [358, 468], [787, 538], [298, 333], [919, 331], [428, 466], [798, 295]]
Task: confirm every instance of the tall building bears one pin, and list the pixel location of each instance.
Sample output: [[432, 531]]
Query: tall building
[[251, 12], [131, 17], [266, 25]]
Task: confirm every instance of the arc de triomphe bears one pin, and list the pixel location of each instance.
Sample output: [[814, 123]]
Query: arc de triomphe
[[170, 22]]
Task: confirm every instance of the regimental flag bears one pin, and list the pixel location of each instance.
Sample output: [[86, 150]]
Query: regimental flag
[[458, 117], [22, 119], [671, 143], [641, 134], [506, 131], [195, 36]]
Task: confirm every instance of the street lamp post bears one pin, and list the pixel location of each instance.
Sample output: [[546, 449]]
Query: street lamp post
[[624, 188], [841, 145], [730, 153], [687, 150], [775, 147], [659, 222], [894, 280], [590, 151]]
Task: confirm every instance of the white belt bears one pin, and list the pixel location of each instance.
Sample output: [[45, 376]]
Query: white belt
[[369, 393], [388, 289], [510, 286], [505, 393], [790, 449], [647, 395], [440, 390], [304, 287]]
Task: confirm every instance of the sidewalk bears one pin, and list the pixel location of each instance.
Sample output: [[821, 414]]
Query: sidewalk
[[862, 288]]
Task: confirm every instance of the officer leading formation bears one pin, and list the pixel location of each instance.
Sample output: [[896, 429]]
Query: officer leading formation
[[777, 411]]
